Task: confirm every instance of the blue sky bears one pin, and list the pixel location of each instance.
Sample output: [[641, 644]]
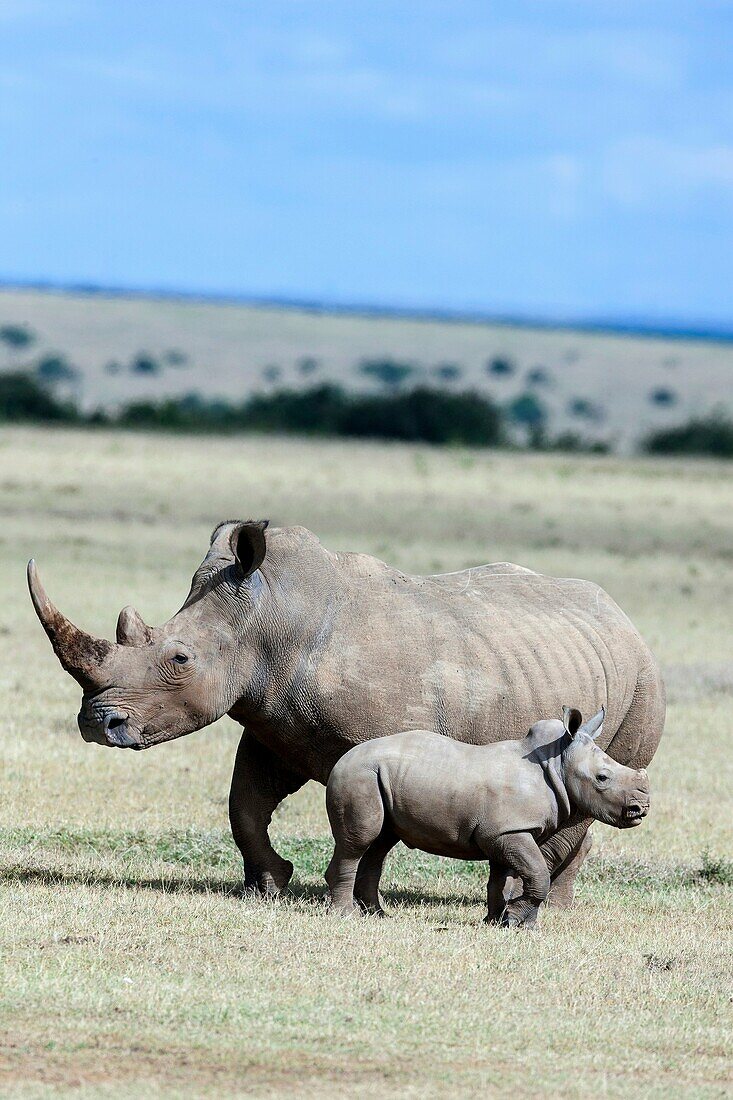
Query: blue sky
[[541, 158]]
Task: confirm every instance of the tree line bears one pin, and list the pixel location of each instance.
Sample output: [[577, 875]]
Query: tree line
[[423, 414]]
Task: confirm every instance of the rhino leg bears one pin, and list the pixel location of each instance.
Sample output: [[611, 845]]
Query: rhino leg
[[563, 881], [564, 855], [366, 887], [356, 815], [260, 782], [519, 853], [500, 878], [503, 886], [340, 877], [564, 858]]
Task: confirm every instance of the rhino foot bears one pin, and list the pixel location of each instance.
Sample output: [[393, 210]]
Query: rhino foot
[[269, 883], [345, 911], [518, 918], [370, 910]]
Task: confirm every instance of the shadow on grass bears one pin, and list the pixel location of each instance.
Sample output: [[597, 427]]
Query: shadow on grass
[[51, 876], [195, 861], [395, 895], [298, 891]]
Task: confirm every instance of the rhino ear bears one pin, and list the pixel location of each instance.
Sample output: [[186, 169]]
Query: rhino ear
[[132, 628], [572, 719], [247, 541], [593, 728]]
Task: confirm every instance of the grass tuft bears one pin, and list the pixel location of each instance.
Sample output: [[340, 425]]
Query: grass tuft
[[715, 869]]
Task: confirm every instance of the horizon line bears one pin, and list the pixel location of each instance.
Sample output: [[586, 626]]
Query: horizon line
[[615, 326]]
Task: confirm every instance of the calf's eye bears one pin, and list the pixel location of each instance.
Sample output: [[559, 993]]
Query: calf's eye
[[602, 777], [180, 658]]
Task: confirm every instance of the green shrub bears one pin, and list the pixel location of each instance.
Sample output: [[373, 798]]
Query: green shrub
[[585, 409], [538, 376], [710, 435], [447, 372], [527, 410], [16, 337], [501, 366], [428, 415], [145, 364], [318, 410], [663, 396], [189, 413], [573, 444], [151, 414], [175, 358], [716, 869], [388, 372], [308, 365], [423, 414], [54, 368], [22, 398]]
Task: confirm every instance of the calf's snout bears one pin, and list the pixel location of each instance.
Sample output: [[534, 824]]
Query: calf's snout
[[637, 802]]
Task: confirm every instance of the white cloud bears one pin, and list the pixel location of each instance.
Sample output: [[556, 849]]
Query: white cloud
[[40, 11], [645, 171], [530, 53]]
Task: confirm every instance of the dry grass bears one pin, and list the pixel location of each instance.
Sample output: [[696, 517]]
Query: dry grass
[[229, 346], [130, 964]]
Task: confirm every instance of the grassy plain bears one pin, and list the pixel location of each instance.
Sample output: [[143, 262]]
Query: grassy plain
[[233, 349], [129, 964]]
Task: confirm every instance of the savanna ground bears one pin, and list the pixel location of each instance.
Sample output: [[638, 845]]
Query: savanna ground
[[233, 349], [130, 965]]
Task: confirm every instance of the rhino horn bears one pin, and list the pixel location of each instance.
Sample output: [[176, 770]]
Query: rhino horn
[[132, 628], [80, 654]]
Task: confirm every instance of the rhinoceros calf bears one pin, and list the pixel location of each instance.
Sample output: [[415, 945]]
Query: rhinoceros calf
[[495, 802]]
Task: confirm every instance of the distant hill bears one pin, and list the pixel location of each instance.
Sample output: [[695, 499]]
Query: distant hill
[[605, 385]]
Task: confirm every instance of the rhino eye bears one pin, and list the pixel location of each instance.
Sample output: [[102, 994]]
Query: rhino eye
[[180, 658], [602, 778]]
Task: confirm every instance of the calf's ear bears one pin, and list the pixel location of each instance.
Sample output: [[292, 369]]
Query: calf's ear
[[593, 728], [572, 719], [247, 541]]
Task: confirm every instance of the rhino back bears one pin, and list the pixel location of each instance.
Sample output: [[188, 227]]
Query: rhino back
[[477, 655], [438, 793]]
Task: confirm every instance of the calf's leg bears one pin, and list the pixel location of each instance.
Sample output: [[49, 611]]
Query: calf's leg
[[259, 783], [499, 879], [520, 853], [340, 877], [502, 887], [564, 853], [366, 887], [356, 815]]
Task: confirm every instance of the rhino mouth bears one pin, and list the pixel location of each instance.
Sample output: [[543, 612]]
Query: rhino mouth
[[634, 814], [111, 727]]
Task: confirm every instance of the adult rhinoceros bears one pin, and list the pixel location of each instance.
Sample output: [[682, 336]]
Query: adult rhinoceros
[[314, 651]]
